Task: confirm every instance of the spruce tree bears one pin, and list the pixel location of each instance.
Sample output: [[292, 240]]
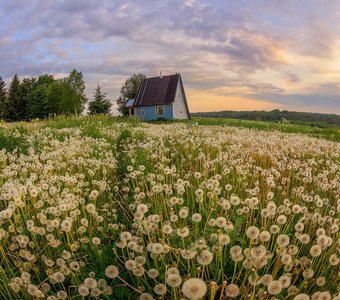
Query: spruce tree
[[12, 106], [3, 97], [100, 104]]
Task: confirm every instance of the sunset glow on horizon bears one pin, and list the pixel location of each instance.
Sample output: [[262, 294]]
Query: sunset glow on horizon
[[232, 55]]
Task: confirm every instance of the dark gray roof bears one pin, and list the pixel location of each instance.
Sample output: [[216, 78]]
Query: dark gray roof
[[157, 90]]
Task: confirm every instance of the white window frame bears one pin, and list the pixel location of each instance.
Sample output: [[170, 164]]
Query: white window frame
[[157, 109], [142, 111]]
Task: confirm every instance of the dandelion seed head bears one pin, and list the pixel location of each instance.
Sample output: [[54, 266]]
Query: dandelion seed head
[[194, 288], [274, 287], [174, 280], [205, 257], [196, 217], [160, 289], [253, 232], [90, 283], [301, 296], [111, 272], [264, 236], [232, 291], [83, 291]]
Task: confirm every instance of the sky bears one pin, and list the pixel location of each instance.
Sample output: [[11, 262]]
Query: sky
[[232, 54]]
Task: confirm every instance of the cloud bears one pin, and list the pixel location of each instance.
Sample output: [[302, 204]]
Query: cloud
[[327, 88], [310, 102], [291, 78], [253, 50]]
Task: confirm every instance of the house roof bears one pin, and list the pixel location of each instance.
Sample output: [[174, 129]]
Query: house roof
[[157, 90], [129, 103]]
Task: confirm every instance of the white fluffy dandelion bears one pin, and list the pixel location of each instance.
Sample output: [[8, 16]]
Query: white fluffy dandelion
[[194, 288], [111, 272], [174, 280], [232, 291]]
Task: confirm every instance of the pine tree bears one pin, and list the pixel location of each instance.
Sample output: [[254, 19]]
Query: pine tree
[[129, 91], [100, 105], [12, 106], [3, 97]]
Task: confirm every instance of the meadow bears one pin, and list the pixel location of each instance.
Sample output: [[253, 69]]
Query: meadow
[[105, 208]]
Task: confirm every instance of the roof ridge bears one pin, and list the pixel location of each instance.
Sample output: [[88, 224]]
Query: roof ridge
[[163, 76]]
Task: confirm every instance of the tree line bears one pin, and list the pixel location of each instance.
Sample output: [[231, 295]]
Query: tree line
[[43, 96], [315, 119]]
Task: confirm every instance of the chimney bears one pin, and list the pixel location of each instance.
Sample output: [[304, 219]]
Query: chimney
[[160, 74]]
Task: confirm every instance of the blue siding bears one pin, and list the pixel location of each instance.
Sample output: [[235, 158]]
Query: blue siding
[[150, 112]]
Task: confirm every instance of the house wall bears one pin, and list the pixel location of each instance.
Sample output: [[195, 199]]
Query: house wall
[[179, 108], [150, 112]]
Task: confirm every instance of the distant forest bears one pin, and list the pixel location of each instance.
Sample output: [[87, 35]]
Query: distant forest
[[276, 115], [40, 97]]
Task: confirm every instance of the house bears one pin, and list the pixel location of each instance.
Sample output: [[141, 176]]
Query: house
[[160, 97]]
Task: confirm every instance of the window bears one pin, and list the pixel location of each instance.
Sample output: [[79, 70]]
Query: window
[[159, 110], [142, 112]]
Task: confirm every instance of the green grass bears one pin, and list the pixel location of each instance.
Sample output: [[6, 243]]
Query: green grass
[[330, 133], [14, 139], [90, 126], [76, 121]]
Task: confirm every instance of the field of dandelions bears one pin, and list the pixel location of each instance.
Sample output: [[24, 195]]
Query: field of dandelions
[[106, 209]]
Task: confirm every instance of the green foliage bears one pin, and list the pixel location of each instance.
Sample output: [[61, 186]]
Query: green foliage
[[129, 91], [12, 107], [56, 97], [100, 104], [3, 97], [37, 102], [45, 79], [68, 121], [41, 97], [331, 132], [124, 137], [92, 131], [239, 227], [63, 99], [76, 82], [161, 120], [27, 87], [303, 118], [64, 121], [14, 140]]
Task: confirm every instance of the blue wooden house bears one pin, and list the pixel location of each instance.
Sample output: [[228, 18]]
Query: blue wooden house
[[160, 97]]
